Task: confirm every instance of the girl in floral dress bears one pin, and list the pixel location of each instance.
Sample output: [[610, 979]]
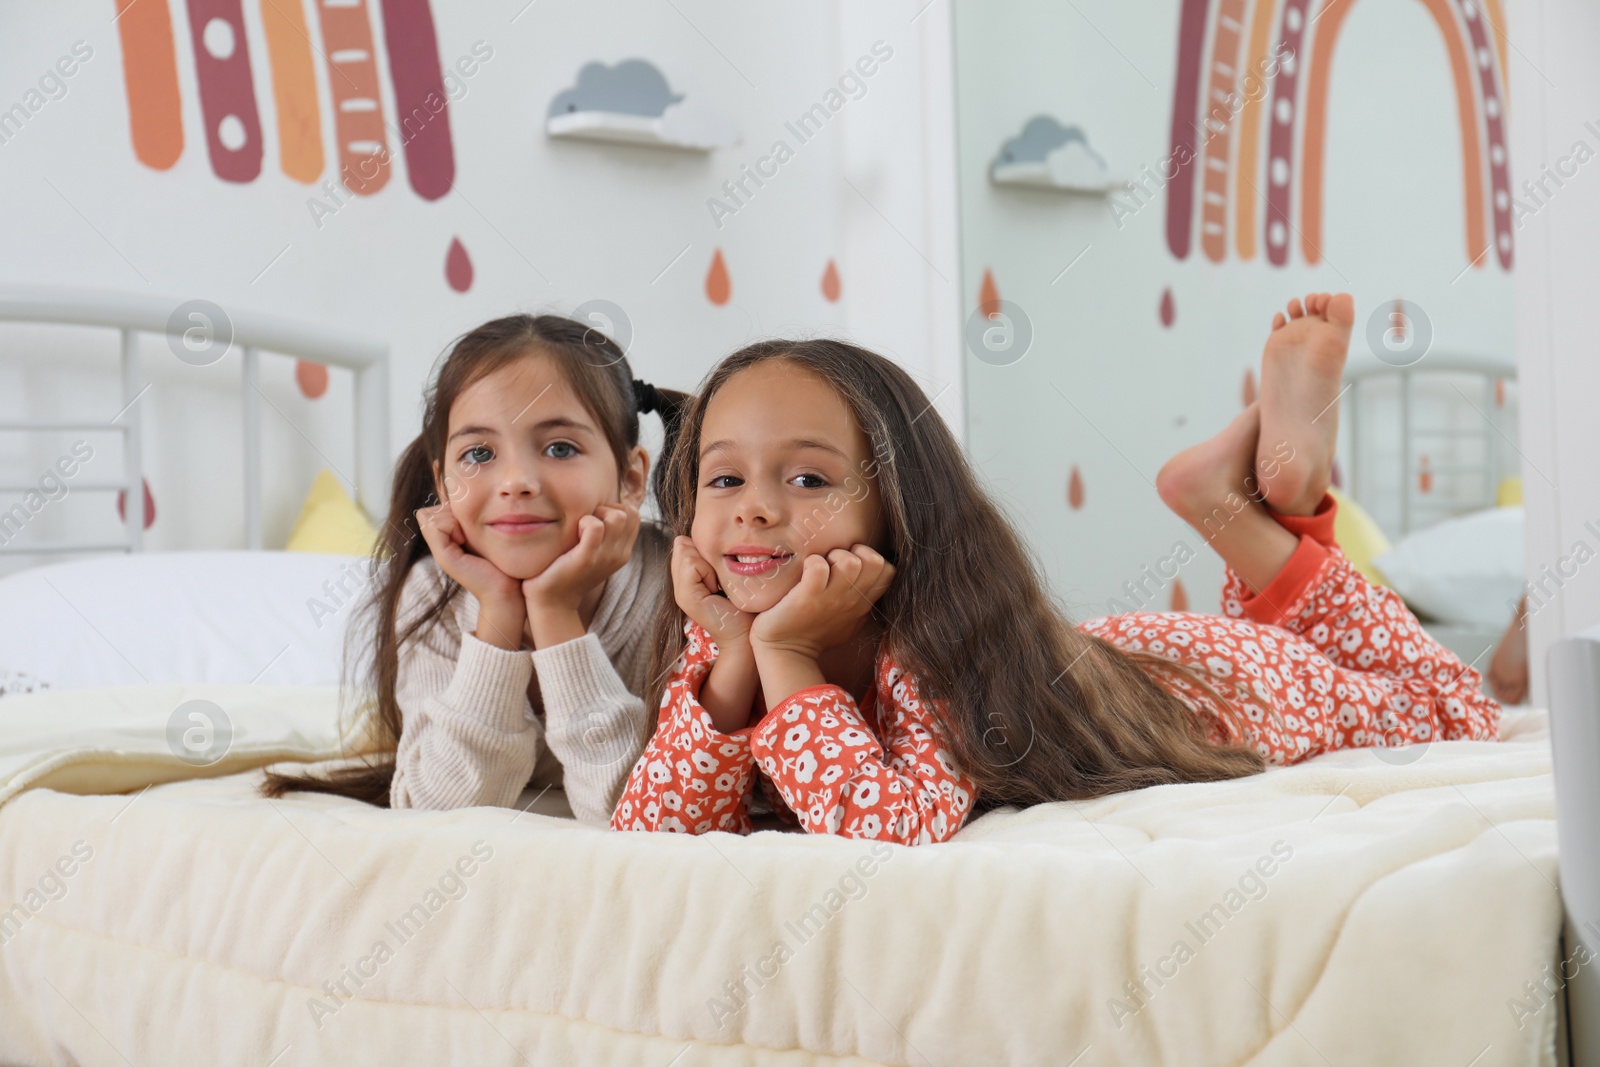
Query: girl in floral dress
[[859, 639]]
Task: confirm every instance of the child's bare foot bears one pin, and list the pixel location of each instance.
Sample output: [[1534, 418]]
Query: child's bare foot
[[1212, 487], [1209, 483], [1301, 373]]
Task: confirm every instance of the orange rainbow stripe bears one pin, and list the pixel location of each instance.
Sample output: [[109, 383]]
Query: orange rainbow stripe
[[1245, 190], [294, 90], [1218, 126], [150, 76]]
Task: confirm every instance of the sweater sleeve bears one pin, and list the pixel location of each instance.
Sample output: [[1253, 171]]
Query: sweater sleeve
[[692, 778], [466, 738], [839, 778], [592, 723]]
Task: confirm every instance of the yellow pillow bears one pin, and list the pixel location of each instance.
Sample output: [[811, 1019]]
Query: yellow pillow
[[331, 522], [1509, 492], [1359, 537]]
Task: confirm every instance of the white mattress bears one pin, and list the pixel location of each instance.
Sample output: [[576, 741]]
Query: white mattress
[[1414, 901]]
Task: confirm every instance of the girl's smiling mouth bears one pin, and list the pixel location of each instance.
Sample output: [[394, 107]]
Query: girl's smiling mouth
[[754, 560], [520, 525]]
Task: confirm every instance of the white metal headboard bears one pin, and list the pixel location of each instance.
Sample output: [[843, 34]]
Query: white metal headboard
[[1433, 363], [133, 314]]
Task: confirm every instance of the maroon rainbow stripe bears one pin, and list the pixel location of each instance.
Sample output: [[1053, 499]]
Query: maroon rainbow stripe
[[226, 91], [1280, 138], [1494, 119], [422, 108], [1185, 116]]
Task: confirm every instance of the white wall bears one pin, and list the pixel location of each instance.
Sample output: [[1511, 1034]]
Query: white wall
[[1556, 87], [548, 224]]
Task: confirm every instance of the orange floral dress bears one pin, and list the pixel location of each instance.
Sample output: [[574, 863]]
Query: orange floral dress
[[1320, 659], [877, 771]]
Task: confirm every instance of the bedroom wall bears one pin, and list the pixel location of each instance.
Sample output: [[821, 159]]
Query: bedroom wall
[[1557, 80], [1138, 351], [544, 223]]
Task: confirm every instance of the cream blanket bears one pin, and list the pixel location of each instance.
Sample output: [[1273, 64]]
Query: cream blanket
[[1347, 911]]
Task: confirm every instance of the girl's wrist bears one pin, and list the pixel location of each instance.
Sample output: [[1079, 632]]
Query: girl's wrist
[[785, 671], [727, 722], [734, 647], [500, 624], [775, 650], [729, 691], [554, 625], [550, 604]]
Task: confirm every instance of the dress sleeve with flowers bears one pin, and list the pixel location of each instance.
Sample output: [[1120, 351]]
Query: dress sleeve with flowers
[[882, 772], [691, 778]]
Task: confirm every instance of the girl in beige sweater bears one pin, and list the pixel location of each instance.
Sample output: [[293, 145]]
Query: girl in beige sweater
[[515, 581]]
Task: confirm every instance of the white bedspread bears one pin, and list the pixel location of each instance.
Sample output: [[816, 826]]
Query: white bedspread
[[194, 922]]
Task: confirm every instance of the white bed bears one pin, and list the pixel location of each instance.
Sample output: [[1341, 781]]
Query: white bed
[[1386, 912], [1378, 906]]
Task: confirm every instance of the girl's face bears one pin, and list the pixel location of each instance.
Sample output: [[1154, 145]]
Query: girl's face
[[524, 461], [784, 472]]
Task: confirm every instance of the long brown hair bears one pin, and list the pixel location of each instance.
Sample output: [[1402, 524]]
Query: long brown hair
[[1035, 709], [598, 371]]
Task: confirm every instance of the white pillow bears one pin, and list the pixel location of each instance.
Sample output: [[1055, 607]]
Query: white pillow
[[276, 617], [1465, 570]]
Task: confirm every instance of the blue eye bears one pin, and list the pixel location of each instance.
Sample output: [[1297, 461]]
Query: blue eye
[[573, 449], [472, 452]]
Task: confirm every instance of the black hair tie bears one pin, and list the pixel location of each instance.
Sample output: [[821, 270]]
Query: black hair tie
[[646, 397]]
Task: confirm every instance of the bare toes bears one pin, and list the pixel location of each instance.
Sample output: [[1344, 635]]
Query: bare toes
[[1295, 310], [1342, 310], [1314, 304], [1278, 321]]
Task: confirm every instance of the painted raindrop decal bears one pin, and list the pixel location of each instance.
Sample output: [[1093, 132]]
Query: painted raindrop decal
[[989, 295], [1180, 596], [458, 266], [149, 505], [1249, 387], [1169, 309], [1075, 490], [312, 378], [719, 287], [830, 282]]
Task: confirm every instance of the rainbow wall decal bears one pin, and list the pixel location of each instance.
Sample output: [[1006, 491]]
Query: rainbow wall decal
[[1223, 143], [233, 133]]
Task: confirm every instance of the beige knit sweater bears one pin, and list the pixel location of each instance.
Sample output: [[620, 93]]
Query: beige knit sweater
[[470, 734]]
